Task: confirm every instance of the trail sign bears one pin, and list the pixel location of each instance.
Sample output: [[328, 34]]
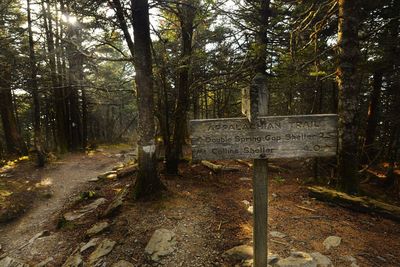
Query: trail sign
[[261, 137], [267, 137]]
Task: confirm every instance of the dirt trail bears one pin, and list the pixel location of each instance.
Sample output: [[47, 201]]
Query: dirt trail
[[207, 212], [65, 177]]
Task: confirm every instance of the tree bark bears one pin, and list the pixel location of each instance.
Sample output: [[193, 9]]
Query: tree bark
[[148, 181], [348, 180]]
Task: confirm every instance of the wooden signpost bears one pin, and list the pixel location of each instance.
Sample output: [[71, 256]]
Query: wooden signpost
[[260, 137]]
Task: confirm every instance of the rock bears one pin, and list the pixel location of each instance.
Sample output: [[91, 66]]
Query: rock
[[11, 262], [332, 241], [297, 259], [248, 263], [245, 179], [111, 176], [106, 174], [97, 228], [92, 243], [118, 166], [351, 259], [162, 243], [123, 263], [277, 234], [242, 252], [74, 260], [116, 203], [250, 209], [273, 258], [104, 248], [381, 258], [76, 214], [39, 235], [322, 260], [246, 202], [95, 179], [45, 262]]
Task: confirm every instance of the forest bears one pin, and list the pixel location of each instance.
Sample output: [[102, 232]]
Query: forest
[[109, 89]]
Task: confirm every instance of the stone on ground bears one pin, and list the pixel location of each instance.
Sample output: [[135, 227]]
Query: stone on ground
[[45, 262], [11, 262], [352, 260], [162, 243], [97, 228], [250, 209], [123, 263], [104, 248], [297, 259], [322, 260], [74, 260], [246, 202], [277, 234], [92, 243], [242, 252], [116, 203], [272, 259], [332, 241], [76, 214]]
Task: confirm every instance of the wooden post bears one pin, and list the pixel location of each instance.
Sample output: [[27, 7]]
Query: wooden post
[[259, 104]]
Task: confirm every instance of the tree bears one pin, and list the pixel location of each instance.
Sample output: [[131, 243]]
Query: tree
[[33, 86], [186, 13], [349, 54], [10, 20], [56, 83], [147, 181], [14, 142]]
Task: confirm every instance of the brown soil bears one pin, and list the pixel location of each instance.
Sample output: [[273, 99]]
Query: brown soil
[[207, 213]]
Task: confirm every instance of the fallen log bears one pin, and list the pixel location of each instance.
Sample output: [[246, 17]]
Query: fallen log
[[218, 168], [131, 169], [361, 204], [248, 164]]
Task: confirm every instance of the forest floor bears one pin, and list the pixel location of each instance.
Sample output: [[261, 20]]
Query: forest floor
[[207, 213]]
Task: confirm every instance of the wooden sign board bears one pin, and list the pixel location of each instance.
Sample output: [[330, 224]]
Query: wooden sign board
[[267, 137]]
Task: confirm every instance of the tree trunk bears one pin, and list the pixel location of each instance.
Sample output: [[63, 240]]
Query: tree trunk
[[75, 74], [84, 119], [348, 180], [148, 181], [372, 120], [57, 90], [33, 86], [13, 140], [261, 36], [392, 51], [187, 13]]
